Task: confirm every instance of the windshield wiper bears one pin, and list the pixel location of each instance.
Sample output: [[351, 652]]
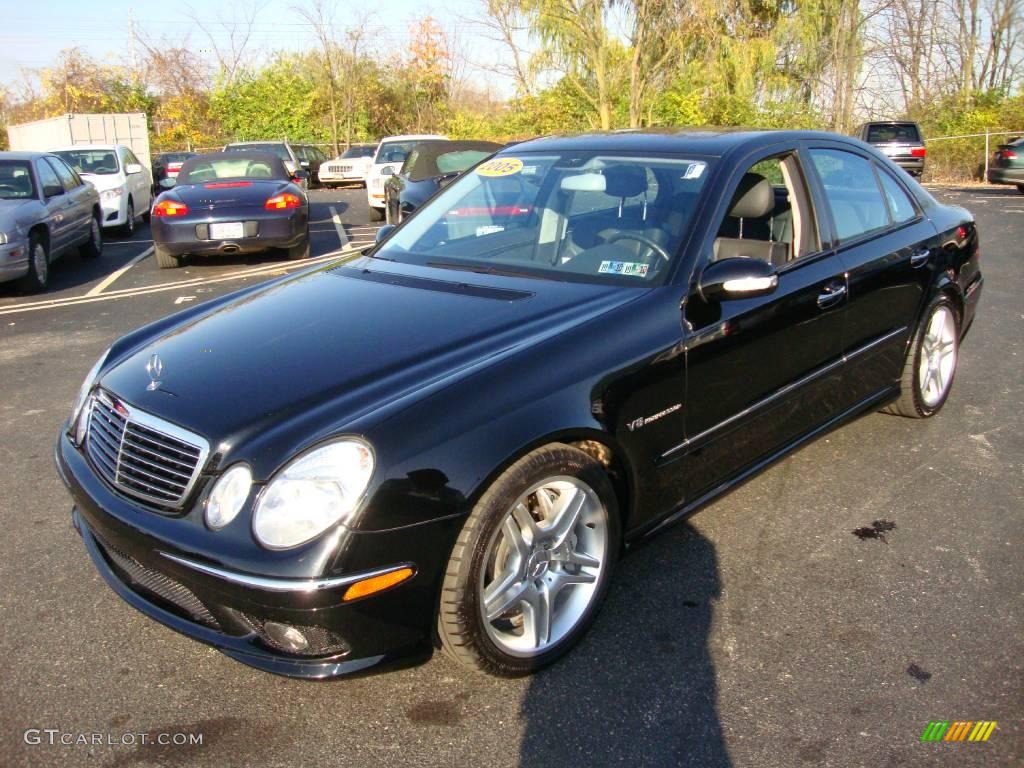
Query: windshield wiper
[[486, 270]]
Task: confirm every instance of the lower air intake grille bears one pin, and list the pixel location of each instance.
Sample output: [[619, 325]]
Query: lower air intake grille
[[156, 583]]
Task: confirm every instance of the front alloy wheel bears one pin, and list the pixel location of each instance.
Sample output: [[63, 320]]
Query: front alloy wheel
[[531, 565]]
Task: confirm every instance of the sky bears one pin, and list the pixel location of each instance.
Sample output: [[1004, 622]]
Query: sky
[[32, 34]]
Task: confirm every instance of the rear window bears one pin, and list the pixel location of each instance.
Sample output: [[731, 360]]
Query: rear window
[[882, 134], [199, 170]]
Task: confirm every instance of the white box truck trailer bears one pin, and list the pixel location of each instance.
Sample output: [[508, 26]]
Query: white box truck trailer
[[129, 128]]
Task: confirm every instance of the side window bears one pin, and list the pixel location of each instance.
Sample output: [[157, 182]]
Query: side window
[[770, 215], [130, 158], [47, 176], [858, 207], [66, 175], [900, 205]]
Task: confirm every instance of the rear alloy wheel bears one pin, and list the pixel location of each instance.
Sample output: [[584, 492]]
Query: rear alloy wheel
[[165, 259], [300, 251], [931, 362], [531, 565], [38, 266], [129, 222], [93, 247], [1020, 188]]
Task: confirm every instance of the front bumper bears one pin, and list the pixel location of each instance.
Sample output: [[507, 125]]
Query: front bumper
[[1006, 175], [159, 577], [912, 165], [262, 230], [115, 212], [13, 261]]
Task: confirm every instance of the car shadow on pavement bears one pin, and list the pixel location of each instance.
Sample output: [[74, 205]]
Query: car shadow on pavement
[[640, 689]]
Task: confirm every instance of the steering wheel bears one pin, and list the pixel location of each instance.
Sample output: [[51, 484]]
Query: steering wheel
[[643, 239]]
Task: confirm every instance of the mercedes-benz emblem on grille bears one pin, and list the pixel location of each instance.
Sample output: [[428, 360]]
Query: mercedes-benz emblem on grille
[[155, 369]]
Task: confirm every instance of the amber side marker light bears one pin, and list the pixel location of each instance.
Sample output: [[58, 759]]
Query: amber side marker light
[[376, 584]]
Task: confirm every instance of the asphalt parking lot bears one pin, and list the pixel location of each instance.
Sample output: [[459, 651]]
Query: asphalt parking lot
[[762, 632]]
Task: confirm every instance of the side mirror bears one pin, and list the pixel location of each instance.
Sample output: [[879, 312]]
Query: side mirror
[[52, 190], [384, 231], [737, 278], [132, 168], [168, 182]]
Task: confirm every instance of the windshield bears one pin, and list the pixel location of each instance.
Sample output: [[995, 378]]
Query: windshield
[[394, 151], [99, 162], [278, 149], [580, 216], [16, 180], [883, 134], [353, 152]]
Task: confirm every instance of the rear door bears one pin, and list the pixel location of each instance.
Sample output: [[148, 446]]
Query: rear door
[[888, 248], [139, 184], [81, 208], [763, 371]]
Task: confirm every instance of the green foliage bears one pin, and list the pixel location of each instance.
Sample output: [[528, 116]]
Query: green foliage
[[964, 159]]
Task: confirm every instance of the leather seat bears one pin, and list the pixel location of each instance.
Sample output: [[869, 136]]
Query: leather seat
[[754, 199]]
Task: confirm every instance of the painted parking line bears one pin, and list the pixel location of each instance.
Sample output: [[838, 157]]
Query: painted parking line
[[266, 270], [109, 279], [125, 242], [342, 237]]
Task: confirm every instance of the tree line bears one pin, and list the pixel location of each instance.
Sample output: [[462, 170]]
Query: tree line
[[566, 65]]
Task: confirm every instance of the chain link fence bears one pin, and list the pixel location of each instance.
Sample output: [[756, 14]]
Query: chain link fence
[[965, 157]]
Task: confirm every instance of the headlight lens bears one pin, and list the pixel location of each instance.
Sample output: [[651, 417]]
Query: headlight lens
[[312, 493], [228, 495], [111, 194], [83, 392], [3, 238]]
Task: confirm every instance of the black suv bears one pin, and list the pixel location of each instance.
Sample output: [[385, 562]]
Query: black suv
[[900, 140]]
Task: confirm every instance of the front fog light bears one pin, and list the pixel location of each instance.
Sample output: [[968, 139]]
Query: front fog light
[[228, 495], [288, 638]]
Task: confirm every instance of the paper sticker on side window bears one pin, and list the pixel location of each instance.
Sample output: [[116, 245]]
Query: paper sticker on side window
[[694, 170]]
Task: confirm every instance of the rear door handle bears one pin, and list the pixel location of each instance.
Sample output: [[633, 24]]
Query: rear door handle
[[920, 258], [831, 295]]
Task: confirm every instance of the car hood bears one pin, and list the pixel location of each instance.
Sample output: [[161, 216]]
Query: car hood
[[12, 212], [316, 352], [104, 181]]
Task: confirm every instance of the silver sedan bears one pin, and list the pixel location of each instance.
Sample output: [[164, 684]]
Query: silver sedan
[[45, 210]]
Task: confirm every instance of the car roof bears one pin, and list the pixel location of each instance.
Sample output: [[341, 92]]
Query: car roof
[[249, 143], [72, 147], [710, 141], [413, 137], [22, 155]]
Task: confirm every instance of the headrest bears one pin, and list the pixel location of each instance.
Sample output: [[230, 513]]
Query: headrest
[[754, 198], [625, 180]]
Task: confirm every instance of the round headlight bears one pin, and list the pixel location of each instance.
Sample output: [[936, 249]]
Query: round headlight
[[228, 495], [312, 493]]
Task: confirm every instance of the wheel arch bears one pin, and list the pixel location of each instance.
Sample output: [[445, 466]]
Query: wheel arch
[[43, 231]]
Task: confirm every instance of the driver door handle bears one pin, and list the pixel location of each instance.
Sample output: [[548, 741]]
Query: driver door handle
[[831, 295], [920, 258]]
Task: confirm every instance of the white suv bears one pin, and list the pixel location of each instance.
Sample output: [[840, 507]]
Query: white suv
[[125, 185], [390, 155]]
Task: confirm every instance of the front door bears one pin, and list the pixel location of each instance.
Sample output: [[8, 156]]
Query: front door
[[762, 371]]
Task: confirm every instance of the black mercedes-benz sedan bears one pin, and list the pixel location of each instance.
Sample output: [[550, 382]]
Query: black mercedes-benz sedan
[[428, 167], [449, 439], [230, 202]]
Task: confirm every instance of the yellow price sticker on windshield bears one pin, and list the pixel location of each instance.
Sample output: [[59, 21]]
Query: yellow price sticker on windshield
[[500, 166]]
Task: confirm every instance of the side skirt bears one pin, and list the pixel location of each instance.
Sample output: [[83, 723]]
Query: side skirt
[[655, 527]]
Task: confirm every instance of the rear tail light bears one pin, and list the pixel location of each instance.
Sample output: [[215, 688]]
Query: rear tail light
[[174, 166], [284, 200], [918, 152], [1007, 154], [170, 208]]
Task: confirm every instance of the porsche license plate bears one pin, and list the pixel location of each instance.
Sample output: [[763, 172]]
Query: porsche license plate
[[226, 231]]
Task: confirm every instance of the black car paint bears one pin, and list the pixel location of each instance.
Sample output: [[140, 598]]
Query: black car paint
[[452, 384]]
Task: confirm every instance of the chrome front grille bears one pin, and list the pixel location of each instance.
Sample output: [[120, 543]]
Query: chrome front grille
[[339, 168], [141, 454]]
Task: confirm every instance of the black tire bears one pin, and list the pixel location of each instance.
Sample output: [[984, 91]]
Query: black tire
[[460, 623], [1020, 188], [38, 266], [376, 214], [911, 402], [129, 223], [166, 259], [300, 251], [93, 247]]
